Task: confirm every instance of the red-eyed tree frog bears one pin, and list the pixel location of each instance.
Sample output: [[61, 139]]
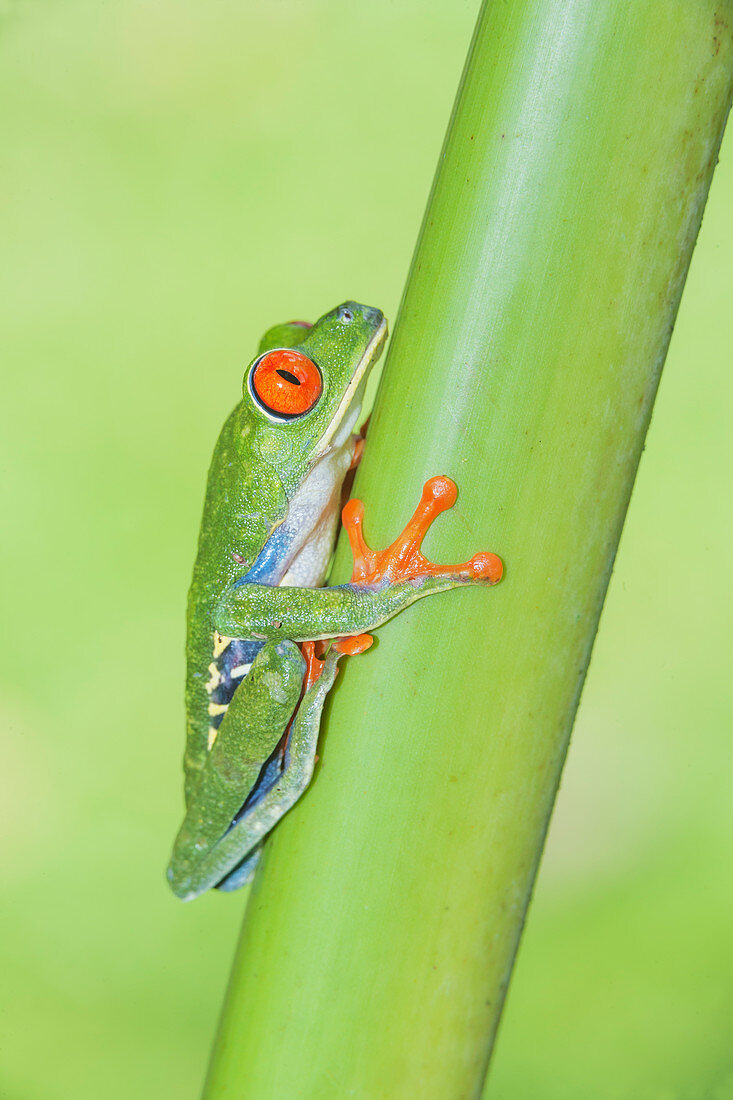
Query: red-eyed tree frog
[[264, 637]]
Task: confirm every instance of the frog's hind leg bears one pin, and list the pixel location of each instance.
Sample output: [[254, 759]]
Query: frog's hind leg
[[302, 744], [296, 756], [261, 813], [233, 774]]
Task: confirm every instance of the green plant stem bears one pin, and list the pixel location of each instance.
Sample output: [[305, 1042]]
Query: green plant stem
[[380, 935]]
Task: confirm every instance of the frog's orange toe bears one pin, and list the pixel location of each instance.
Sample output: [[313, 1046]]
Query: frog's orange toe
[[351, 646], [352, 513], [487, 567], [441, 490], [402, 560]]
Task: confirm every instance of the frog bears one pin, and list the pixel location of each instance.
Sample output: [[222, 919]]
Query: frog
[[265, 633]]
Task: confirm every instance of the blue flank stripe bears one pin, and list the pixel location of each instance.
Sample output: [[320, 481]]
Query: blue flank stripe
[[265, 569], [269, 560]]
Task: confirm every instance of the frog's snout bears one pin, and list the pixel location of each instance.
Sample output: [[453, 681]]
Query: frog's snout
[[369, 315]]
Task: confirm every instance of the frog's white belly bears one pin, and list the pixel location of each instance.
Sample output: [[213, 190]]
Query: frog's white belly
[[308, 568], [310, 528]]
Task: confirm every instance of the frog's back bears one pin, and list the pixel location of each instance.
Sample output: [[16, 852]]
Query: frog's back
[[241, 507]]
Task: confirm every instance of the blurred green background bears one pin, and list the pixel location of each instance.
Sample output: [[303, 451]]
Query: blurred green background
[[175, 178]]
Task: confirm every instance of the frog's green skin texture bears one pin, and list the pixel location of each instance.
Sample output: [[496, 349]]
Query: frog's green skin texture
[[268, 480], [267, 533]]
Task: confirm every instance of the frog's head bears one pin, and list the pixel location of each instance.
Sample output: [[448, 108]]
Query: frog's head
[[301, 401]]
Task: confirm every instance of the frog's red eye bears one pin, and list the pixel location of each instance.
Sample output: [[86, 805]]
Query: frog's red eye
[[286, 382]]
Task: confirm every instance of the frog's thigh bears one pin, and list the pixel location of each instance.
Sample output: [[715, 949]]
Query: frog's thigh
[[205, 849], [270, 807], [260, 708], [302, 745]]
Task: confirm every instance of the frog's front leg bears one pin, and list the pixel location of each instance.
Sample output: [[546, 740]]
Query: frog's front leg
[[382, 584], [253, 726]]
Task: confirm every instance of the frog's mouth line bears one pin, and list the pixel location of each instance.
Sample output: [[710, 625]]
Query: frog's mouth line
[[340, 418]]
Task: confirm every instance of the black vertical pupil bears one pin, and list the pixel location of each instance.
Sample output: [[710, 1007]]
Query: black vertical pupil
[[289, 377]]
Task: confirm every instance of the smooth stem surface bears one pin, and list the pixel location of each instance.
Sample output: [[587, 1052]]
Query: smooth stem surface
[[380, 935]]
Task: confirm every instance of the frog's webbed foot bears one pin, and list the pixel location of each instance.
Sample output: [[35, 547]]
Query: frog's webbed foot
[[383, 583], [402, 560], [350, 645], [402, 566]]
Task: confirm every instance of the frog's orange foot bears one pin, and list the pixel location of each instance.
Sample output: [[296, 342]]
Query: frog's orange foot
[[402, 560], [353, 644], [313, 651]]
